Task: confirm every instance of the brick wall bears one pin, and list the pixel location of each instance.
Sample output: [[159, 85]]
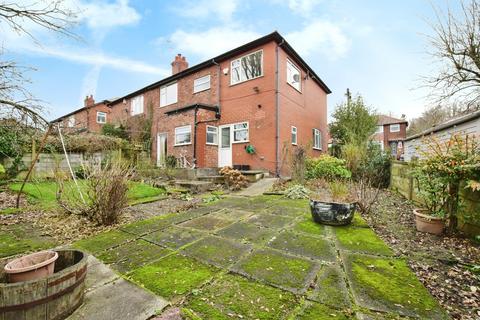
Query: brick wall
[[86, 119]]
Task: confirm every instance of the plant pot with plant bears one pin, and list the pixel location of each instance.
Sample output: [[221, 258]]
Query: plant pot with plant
[[334, 204]]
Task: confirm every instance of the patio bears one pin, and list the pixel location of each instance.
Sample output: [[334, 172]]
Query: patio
[[263, 258]]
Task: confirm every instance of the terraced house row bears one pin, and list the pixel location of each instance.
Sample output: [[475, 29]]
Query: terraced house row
[[249, 107]]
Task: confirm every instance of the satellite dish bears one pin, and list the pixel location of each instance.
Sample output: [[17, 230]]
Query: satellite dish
[[296, 78]]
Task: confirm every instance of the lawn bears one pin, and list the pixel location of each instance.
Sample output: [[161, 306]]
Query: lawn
[[44, 193]]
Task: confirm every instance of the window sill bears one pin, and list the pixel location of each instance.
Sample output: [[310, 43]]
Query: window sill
[[182, 144], [101, 122], [168, 104], [318, 149], [291, 85], [234, 84], [212, 144], [237, 142], [294, 144], [195, 92]]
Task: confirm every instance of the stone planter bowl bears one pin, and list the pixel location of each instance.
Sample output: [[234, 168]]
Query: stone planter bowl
[[30, 267], [428, 224], [332, 213]]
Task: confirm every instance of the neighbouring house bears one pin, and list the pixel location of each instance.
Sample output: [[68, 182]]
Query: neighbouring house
[[90, 118], [465, 125], [249, 107], [390, 134]]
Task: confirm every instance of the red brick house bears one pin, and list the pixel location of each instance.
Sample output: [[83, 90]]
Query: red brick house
[[391, 132], [90, 118], [250, 106]]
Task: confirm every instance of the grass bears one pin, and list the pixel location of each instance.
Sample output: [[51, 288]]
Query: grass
[[45, 192], [19, 239]]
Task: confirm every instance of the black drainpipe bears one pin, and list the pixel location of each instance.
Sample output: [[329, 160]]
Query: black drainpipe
[[195, 137], [218, 88], [277, 112]]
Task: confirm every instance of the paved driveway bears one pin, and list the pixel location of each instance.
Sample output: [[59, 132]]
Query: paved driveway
[[263, 258]]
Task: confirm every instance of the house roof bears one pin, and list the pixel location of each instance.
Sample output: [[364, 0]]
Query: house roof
[[447, 124], [193, 106], [384, 119], [79, 110], [274, 36]]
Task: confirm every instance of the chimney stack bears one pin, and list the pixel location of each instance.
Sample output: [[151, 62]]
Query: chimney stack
[[89, 101], [179, 64]]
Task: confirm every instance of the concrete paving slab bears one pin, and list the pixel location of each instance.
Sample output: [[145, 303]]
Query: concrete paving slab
[[98, 274], [257, 188]]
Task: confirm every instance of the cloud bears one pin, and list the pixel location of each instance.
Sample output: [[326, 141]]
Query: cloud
[[101, 14], [303, 7], [321, 37], [209, 43], [207, 9]]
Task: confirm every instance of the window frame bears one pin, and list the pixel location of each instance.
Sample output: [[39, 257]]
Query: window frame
[[216, 135], [315, 133], [239, 59], [166, 94], [133, 112], [290, 63], [296, 135], [175, 136], [395, 125], [200, 78], [104, 114], [71, 121], [379, 129], [233, 132]]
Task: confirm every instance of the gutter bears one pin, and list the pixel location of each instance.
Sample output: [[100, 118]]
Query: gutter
[[277, 111]]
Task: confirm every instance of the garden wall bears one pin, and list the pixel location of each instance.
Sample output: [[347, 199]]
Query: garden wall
[[469, 216]]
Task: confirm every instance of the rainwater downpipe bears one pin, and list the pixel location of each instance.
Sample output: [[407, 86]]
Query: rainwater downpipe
[[195, 137], [218, 87], [277, 111]]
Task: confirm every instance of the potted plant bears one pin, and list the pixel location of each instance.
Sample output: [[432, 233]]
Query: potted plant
[[33, 266], [334, 204]]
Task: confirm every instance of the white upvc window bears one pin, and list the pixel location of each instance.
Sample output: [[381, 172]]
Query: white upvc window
[[201, 84], [294, 76], [212, 135], [240, 132], [395, 127], [71, 122], [136, 105], [183, 135], [101, 117], [168, 94], [294, 135], [247, 67], [317, 139], [379, 129]]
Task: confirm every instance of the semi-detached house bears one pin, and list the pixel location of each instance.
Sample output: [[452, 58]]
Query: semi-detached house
[[251, 107]]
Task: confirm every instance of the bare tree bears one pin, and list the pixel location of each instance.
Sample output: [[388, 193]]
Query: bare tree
[[15, 100], [456, 45]]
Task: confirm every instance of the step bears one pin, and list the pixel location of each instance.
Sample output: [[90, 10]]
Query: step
[[253, 175], [214, 179], [195, 186]]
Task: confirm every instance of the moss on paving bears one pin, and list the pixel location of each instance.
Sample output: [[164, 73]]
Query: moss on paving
[[147, 226], [233, 297], [132, 255], [304, 245], [269, 220], [103, 241], [388, 284], [173, 237], [20, 238], [311, 227], [172, 276], [217, 251], [361, 240], [232, 214], [317, 311], [247, 232], [207, 223], [330, 288], [358, 221], [276, 268]]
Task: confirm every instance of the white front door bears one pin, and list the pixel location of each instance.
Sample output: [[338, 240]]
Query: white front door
[[161, 149], [225, 146]]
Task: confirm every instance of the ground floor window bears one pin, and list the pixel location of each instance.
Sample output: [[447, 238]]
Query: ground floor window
[[183, 135], [294, 135], [212, 135], [317, 139], [240, 132], [101, 117]]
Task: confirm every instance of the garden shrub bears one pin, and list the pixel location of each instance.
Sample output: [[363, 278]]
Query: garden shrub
[[299, 157], [111, 130], [297, 191], [326, 167], [234, 179]]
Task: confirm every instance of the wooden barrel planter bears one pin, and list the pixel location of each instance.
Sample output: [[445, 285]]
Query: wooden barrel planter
[[53, 297]]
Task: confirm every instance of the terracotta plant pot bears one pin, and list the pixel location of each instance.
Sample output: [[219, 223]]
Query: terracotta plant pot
[[33, 266], [429, 224], [332, 213]]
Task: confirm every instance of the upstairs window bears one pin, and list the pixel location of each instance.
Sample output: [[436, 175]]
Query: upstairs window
[[240, 132], [379, 129], [101, 117], [212, 135], [317, 139], [136, 105], [201, 84], [293, 76], [71, 122], [168, 94], [294, 135], [247, 67], [183, 135], [395, 127]]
